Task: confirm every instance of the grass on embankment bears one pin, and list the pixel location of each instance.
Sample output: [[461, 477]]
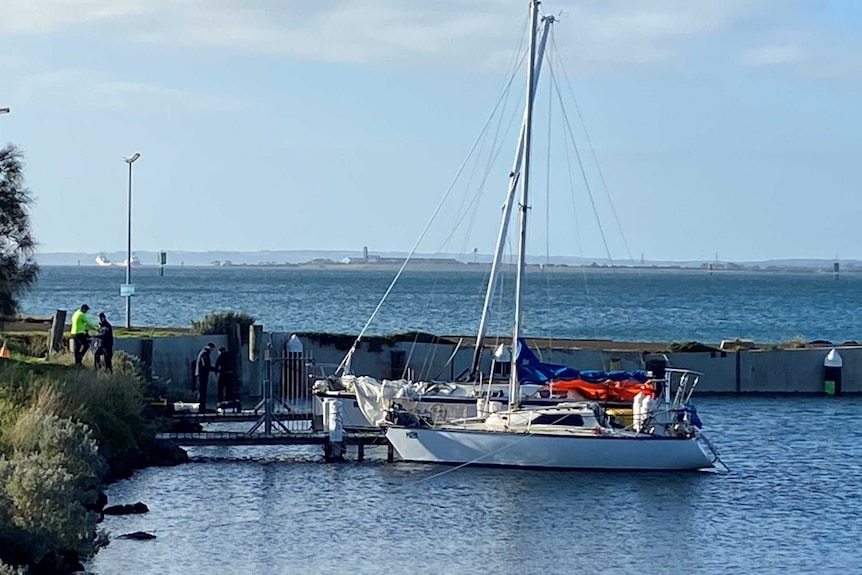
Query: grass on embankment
[[64, 430]]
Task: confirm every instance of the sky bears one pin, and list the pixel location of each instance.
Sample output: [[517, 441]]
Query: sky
[[724, 129]]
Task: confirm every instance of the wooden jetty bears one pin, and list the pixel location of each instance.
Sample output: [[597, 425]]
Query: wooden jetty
[[279, 438], [274, 422], [241, 417], [332, 451], [280, 429]]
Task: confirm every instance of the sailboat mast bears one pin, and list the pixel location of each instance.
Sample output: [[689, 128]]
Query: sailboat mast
[[514, 178], [514, 384]]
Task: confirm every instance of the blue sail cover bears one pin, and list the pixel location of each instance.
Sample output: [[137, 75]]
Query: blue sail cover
[[531, 370]]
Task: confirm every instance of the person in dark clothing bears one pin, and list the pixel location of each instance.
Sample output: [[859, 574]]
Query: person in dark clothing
[[203, 367], [224, 367], [103, 342]]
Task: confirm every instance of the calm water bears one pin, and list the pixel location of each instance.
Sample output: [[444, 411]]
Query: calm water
[[791, 505], [645, 306]]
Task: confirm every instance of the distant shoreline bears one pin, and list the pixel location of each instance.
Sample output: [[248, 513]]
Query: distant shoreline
[[449, 266]]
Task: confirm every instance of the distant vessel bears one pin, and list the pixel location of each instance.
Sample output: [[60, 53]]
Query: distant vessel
[[135, 262], [103, 261]]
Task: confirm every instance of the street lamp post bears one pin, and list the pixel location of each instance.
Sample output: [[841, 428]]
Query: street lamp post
[[130, 160]]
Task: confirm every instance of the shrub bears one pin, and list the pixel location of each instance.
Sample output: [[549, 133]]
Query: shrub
[[60, 426], [129, 365], [30, 345], [222, 323], [688, 347], [9, 570], [47, 485], [110, 405], [47, 521], [62, 442]]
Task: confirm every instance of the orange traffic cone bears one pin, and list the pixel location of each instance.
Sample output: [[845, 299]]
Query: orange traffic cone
[[4, 351]]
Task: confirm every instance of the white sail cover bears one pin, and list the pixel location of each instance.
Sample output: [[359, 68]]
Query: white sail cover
[[370, 396], [375, 398]]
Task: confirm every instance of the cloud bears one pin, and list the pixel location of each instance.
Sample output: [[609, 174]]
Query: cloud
[[596, 36], [90, 89], [43, 16], [810, 53], [773, 55], [462, 33]]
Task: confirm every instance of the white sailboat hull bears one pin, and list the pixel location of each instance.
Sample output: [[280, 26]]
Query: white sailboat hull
[[507, 449]]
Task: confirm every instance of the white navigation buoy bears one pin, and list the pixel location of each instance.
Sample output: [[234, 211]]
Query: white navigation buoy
[[832, 373]]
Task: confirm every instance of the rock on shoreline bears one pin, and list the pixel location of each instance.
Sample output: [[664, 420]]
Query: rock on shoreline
[[127, 509], [155, 453]]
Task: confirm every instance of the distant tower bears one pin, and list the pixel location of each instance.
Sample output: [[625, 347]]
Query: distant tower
[[642, 259], [365, 253]]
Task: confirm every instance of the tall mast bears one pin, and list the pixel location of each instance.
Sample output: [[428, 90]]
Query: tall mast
[[514, 178], [514, 384]]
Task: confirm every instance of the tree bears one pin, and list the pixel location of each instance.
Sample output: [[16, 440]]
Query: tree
[[17, 268]]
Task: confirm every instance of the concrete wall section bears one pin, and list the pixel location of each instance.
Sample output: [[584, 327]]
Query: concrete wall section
[[851, 373], [420, 360], [718, 369], [173, 357], [796, 370], [130, 345]]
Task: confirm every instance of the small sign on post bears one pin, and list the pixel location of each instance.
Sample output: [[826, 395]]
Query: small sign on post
[[127, 290]]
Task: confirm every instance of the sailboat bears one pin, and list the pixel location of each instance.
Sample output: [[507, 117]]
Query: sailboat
[[664, 433]]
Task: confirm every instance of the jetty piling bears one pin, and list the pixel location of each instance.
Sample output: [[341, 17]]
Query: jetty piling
[[335, 428]]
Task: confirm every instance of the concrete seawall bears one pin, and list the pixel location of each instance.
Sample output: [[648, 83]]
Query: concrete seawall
[[725, 372]]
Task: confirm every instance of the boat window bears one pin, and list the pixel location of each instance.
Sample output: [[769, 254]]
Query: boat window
[[572, 419]]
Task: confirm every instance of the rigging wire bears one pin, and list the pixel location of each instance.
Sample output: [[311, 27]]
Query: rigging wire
[[587, 293], [519, 54], [593, 153], [493, 154], [345, 362], [492, 160], [473, 204], [580, 160], [548, 211]]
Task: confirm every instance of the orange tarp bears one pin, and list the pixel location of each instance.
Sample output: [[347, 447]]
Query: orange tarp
[[607, 390]]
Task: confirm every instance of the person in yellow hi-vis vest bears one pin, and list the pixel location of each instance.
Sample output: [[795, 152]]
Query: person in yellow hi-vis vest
[[80, 338]]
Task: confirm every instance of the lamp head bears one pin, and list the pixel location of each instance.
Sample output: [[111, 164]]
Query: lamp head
[[4, 110], [132, 159]]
